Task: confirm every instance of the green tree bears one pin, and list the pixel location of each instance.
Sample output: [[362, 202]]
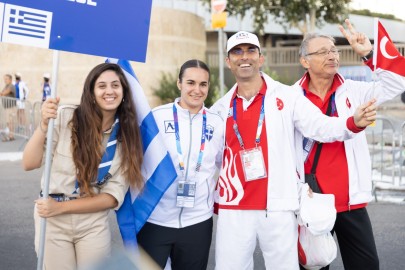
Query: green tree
[[308, 14], [168, 91], [303, 14]]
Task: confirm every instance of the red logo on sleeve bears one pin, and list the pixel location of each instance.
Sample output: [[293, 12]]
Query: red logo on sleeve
[[280, 104], [348, 103]]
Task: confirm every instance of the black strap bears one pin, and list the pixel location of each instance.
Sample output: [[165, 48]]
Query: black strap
[[319, 148]]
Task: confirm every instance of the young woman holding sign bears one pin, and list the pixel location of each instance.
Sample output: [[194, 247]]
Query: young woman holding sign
[[97, 154]]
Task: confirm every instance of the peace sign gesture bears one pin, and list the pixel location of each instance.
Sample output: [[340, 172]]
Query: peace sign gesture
[[359, 42]]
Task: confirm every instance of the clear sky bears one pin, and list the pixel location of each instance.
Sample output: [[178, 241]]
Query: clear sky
[[394, 7]]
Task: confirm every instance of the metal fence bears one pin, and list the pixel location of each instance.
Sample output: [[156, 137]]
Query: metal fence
[[288, 56], [387, 150], [18, 118]]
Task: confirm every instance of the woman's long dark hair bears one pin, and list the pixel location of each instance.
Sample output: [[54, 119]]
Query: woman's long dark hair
[[87, 133]]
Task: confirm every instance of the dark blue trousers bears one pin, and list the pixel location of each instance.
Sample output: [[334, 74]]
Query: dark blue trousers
[[187, 247]]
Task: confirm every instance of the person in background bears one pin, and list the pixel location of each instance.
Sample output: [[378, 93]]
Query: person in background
[[344, 168], [180, 227], [21, 94], [262, 167], [9, 103], [46, 87], [96, 154]]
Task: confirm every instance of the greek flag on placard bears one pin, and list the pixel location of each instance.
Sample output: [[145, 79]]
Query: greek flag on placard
[[158, 169]]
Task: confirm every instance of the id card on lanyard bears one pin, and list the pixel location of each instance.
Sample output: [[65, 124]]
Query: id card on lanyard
[[252, 159], [186, 189], [308, 143]]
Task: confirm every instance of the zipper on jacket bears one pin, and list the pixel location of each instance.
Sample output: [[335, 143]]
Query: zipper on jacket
[[189, 147], [188, 161], [266, 212], [208, 192], [349, 206]]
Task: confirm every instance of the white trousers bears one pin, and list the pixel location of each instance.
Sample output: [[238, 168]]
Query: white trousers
[[237, 231]]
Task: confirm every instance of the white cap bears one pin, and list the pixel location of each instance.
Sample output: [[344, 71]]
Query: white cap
[[242, 37], [47, 76], [18, 74], [317, 211]]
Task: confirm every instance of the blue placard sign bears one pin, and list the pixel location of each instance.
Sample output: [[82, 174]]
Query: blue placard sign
[[108, 28]]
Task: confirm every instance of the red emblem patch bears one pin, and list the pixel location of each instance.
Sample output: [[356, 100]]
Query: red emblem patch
[[348, 103], [280, 104]]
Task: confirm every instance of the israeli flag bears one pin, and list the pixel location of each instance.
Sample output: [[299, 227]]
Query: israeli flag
[[157, 169]]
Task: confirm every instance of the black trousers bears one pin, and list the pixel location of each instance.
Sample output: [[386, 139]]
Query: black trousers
[[187, 247], [356, 240]]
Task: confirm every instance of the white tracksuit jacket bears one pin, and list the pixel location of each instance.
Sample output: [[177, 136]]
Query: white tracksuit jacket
[[166, 212], [355, 93], [287, 112]]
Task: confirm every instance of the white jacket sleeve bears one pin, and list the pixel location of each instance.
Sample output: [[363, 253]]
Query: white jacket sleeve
[[312, 123], [387, 86]]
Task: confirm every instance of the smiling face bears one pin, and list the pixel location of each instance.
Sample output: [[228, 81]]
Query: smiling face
[[108, 92], [245, 61], [193, 85], [322, 58]]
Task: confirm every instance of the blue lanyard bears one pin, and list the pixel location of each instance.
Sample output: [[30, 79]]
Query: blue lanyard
[[177, 135], [259, 124], [106, 160]]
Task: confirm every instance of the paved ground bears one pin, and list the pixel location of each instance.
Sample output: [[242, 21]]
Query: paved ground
[[20, 188]]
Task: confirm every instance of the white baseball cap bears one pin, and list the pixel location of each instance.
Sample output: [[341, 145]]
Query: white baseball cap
[[47, 75], [317, 211], [18, 74], [242, 37]]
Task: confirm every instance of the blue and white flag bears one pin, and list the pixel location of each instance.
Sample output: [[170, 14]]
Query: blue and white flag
[[157, 169]]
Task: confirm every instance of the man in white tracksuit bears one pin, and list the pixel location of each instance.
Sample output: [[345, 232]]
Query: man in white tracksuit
[[262, 167], [344, 168]]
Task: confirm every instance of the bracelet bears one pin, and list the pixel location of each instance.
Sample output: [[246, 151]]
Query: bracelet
[[368, 56], [40, 127]]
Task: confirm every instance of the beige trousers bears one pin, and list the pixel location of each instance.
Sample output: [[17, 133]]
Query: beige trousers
[[74, 240]]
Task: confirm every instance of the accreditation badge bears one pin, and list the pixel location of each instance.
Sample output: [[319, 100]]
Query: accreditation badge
[[186, 194], [253, 164]]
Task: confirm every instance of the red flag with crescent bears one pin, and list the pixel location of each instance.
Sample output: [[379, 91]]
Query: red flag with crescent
[[386, 56]]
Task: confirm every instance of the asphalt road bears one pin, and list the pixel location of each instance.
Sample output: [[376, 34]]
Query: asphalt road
[[19, 189]]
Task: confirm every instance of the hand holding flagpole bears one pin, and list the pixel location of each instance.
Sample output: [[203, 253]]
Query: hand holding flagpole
[[48, 162]]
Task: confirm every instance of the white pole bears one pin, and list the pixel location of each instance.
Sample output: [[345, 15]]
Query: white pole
[[47, 169], [221, 60]]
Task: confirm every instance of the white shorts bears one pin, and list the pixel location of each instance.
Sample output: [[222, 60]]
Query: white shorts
[[20, 104], [237, 231]]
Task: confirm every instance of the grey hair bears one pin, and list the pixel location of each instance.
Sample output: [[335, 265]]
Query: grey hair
[[303, 51]]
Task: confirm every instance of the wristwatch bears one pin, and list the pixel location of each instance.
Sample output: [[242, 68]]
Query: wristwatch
[[368, 56]]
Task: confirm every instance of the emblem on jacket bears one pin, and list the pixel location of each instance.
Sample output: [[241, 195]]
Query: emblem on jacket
[[280, 104], [209, 132], [348, 103], [169, 126]]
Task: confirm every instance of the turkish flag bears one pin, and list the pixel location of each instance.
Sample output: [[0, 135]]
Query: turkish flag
[[386, 55]]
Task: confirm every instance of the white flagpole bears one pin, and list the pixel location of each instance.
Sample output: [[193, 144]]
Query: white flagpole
[[47, 169], [375, 50]]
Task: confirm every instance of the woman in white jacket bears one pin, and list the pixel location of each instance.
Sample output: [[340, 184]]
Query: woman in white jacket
[[180, 227]]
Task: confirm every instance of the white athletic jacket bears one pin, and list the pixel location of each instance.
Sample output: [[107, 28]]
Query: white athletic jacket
[[348, 97], [166, 212], [287, 112]]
